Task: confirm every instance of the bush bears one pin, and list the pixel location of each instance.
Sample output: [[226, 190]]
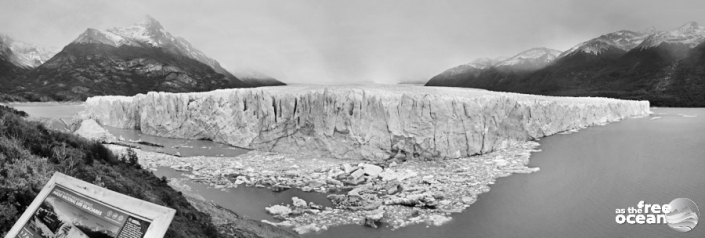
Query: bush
[[132, 158]]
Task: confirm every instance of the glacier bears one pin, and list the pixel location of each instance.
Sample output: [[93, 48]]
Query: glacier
[[358, 121]]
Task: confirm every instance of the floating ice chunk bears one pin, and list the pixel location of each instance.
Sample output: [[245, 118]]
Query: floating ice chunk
[[278, 210]]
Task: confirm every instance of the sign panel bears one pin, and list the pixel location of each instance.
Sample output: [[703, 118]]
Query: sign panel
[[68, 207]]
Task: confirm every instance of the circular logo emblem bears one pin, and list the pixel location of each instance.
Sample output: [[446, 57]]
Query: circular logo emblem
[[683, 215]]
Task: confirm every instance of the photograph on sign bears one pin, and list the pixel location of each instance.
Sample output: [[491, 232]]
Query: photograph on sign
[[67, 214]]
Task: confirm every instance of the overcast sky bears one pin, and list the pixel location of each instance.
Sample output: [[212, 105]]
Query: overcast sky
[[352, 41]]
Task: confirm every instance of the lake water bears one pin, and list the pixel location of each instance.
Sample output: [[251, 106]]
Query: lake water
[[584, 178], [246, 201], [175, 146], [48, 109]]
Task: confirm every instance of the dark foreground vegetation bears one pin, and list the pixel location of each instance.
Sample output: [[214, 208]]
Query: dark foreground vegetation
[[31, 153]]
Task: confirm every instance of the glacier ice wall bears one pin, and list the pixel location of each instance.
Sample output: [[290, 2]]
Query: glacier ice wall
[[359, 122]]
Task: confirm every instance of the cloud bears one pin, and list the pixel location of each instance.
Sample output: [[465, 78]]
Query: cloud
[[340, 42]]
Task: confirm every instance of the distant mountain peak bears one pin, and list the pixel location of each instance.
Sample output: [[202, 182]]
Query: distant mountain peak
[[477, 64], [150, 22], [4, 38], [691, 27], [690, 34], [649, 31], [531, 59], [24, 55], [96, 36], [148, 32], [150, 26], [623, 40], [537, 52], [481, 63], [538, 56]]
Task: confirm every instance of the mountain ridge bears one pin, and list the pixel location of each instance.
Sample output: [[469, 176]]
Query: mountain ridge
[[150, 32], [124, 61], [624, 40], [498, 68], [655, 69], [690, 34], [24, 54]]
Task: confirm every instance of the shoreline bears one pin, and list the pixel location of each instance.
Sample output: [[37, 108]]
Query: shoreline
[[226, 221]]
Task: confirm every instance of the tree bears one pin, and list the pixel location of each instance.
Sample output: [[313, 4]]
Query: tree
[[132, 158]]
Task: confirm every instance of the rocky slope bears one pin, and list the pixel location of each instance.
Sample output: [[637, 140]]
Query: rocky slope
[[8, 72], [358, 122]]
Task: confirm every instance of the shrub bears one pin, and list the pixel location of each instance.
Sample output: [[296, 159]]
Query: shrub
[[132, 158]]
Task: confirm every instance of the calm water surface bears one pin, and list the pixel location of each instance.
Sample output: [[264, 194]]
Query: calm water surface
[[49, 109], [173, 146], [246, 201], [584, 177]]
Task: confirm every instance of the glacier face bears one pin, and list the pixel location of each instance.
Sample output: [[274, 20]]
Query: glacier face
[[359, 122]]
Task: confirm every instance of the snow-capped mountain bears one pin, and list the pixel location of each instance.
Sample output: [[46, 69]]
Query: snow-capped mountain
[[528, 60], [148, 32], [23, 54], [622, 40], [532, 58], [691, 34], [482, 63], [477, 64], [127, 61], [664, 68]]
